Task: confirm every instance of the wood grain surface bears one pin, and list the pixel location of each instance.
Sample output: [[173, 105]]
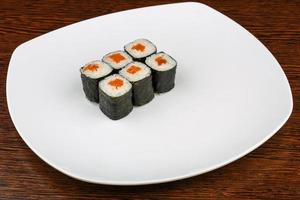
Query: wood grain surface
[[270, 172]]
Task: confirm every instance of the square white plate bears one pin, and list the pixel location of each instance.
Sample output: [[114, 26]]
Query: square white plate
[[231, 95]]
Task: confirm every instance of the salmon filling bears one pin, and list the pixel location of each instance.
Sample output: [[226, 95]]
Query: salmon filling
[[91, 67], [138, 47], [133, 69], [117, 57], [116, 83], [160, 60]]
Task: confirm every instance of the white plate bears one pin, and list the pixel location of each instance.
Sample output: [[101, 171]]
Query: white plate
[[231, 95]]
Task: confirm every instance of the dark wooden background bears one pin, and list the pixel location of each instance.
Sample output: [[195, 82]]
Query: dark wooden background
[[270, 172]]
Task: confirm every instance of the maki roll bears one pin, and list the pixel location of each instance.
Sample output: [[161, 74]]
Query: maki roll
[[91, 74], [139, 75], [117, 59], [163, 71], [115, 96], [139, 49]]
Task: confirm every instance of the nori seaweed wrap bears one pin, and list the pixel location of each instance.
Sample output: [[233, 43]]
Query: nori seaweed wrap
[[163, 81]]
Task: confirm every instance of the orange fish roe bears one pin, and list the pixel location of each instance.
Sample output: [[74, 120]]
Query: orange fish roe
[[138, 47], [133, 69], [91, 67], [160, 60], [117, 57], [116, 82]]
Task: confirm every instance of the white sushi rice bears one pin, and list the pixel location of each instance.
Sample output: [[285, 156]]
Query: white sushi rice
[[139, 75], [112, 90], [102, 70], [117, 65], [151, 62], [149, 48]]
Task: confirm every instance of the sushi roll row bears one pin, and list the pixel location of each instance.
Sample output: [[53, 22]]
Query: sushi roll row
[[123, 79]]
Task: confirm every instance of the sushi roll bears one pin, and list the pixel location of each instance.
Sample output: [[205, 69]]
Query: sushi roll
[[115, 96], [139, 49], [163, 71], [117, 59], [139, 75], [91, 74]]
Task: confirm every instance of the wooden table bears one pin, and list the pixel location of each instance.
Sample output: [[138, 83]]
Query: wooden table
[[270, 172]]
